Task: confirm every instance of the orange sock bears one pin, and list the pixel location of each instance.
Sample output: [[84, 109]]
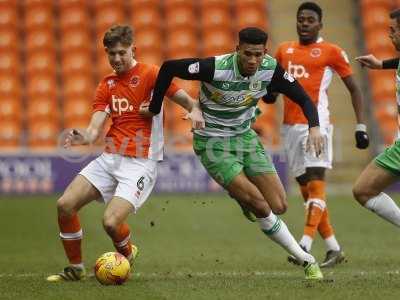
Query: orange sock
[[71, 237], [315, 206], [325, 228], [122, 240]]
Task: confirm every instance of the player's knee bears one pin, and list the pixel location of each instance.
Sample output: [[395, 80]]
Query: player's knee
[[362, 194], [279, 208], [110, 223], [65, 206]]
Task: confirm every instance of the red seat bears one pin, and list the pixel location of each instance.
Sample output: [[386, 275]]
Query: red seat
[[78, 86], [146, 17], [10, 86], [217, 42], [43, 108], [40, 62], [40, 40], [42, 86], [39, 17], [43, 134], [74, 17], [180, 17], [10, 109], [10, 63], [10, 133], [8, 17], [77, 62]]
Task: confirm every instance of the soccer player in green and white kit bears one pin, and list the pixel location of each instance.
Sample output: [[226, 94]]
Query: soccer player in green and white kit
[[229, 149], [384, 170]]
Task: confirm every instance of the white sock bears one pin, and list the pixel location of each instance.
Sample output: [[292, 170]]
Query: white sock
[[78, 266], [306, 242], [277, 231], [332, 244], [385, 207]]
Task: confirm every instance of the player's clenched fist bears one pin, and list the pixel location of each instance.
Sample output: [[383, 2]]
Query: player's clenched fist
[[74, 137]]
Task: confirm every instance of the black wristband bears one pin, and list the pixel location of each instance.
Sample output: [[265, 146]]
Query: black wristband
[[392, 63]]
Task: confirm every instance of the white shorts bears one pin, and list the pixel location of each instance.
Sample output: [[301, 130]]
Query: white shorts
[[130, 178], [295, 138]]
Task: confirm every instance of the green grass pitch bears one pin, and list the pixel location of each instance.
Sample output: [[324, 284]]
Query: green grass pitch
[[197, 247]]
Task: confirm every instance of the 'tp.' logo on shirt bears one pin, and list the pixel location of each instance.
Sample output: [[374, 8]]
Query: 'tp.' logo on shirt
[[121, 105]]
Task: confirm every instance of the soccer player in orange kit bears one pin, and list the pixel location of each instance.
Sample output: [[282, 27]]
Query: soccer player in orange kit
[[311, 60], [124, 175]]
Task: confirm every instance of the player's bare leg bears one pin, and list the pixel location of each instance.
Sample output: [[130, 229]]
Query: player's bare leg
[[264, 196], [79, 193], [368, 192], [115, 215]]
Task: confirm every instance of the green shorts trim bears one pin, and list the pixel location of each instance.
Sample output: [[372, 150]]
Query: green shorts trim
[[225, 157], [390, 159]]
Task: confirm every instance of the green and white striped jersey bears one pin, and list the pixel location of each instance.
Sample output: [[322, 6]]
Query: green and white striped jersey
[[229, 101]]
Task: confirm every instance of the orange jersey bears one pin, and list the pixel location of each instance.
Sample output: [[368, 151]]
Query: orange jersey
[[121, 96], [312, 65]]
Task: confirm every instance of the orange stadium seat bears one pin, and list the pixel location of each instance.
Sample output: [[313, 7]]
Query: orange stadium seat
[[44, 85], [43, 134], [8, 17], [243, 4], [217, 42], [75, 39], [383, 85], [377, 40], [9, 39], [29, 4], [42, 108], [79, 108], [66, 4], [219, 4], [10, 109], [108, 4], [373, 4], [173, 4], [191, 87], [106, 17], [78, 86], [10, 63], [10, 86], [77, 62], [76, 123], [138, 4], [146, 17], [40, 62], [181, 39], [39, 17], [9, 3], [39, 39], [251, 16], [149, 39], [180, 17], [176, 53], [149, 57], [377, 17], [10, 133], [215, 18], [74, 17]]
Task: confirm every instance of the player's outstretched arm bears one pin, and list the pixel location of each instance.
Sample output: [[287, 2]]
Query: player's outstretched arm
[[90, 135], [369, 61], [188, 68]]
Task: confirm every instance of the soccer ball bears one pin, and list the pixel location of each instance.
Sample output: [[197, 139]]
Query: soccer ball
[[112, 268]]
